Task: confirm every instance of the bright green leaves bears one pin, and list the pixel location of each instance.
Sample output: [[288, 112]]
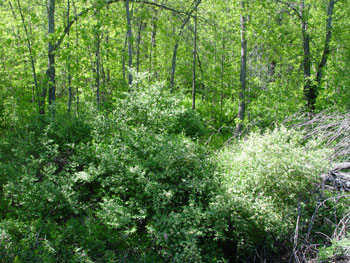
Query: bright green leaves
[[262, 178]]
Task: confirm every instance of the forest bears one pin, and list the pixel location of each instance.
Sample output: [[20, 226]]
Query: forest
[[174, 131]]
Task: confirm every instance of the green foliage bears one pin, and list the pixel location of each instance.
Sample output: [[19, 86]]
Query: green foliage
[[144, 191], [337, 248], [262, 178], [131, 179], [154, 107]]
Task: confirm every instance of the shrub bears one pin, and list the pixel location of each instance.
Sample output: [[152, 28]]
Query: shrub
[[131, 179], [262, 179], [158, 109]]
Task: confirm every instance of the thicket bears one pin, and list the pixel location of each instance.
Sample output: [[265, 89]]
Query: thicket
[[137, 184]]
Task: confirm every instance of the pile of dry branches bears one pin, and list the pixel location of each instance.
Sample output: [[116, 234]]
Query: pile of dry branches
[[333, 128]]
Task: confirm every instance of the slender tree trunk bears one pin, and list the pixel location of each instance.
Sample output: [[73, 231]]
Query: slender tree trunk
[[243, 73], [97, 58], [309, 90], [194, 63], [213, 99], [70, 96], [108, 72], [152, 61], [105, 70], [312, 88], [29, 45], [77, 61], [138, 42], [222, 73], [128, 18], [326, 49], [51, 58], [173, 64], [97, 69], [123, 63]]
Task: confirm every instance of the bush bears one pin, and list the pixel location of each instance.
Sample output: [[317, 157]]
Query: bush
[[131, 179], [262, 179], [156, 108], [133, 186]]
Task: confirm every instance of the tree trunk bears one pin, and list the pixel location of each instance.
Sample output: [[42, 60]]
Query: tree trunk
[[194, 63], [70, 96], [97, 69], [173, 65], [309, 89], [326, 49], [151, 62], [138, 42], [29, 45], [97, 57], [123, 63], [243, 73], [128, 18], [222, 74], [77, 61], [51, 58]]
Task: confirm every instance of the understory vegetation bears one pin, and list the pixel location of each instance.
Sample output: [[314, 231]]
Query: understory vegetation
[[140, 184], [175, 131]]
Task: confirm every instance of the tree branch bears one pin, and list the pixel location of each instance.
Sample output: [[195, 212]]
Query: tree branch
[[326, 49], [290, 6], [108, 2]]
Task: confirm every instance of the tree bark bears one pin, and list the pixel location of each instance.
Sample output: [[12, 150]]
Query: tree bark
[[77, 61], [243, 73], [151, 62], [29, 45], [194, 63], [97, 69], [309, 89], [138, 42], [70, 96], [51, 58], [222, 74], [123, 62], [173, 65], [129, 33], [326, 49]]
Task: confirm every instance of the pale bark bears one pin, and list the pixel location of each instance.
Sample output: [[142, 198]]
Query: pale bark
[[222, 74], [129, 33], [70, 96], [243, 74], [123, 62], [194, 63], [97, 69], [152, 59], [138, 42]]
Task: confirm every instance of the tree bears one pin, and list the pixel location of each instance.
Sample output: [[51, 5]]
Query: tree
[[194, 63], [173, 65], [51, 71], [130, 39], [303, 12], [243, 71]]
